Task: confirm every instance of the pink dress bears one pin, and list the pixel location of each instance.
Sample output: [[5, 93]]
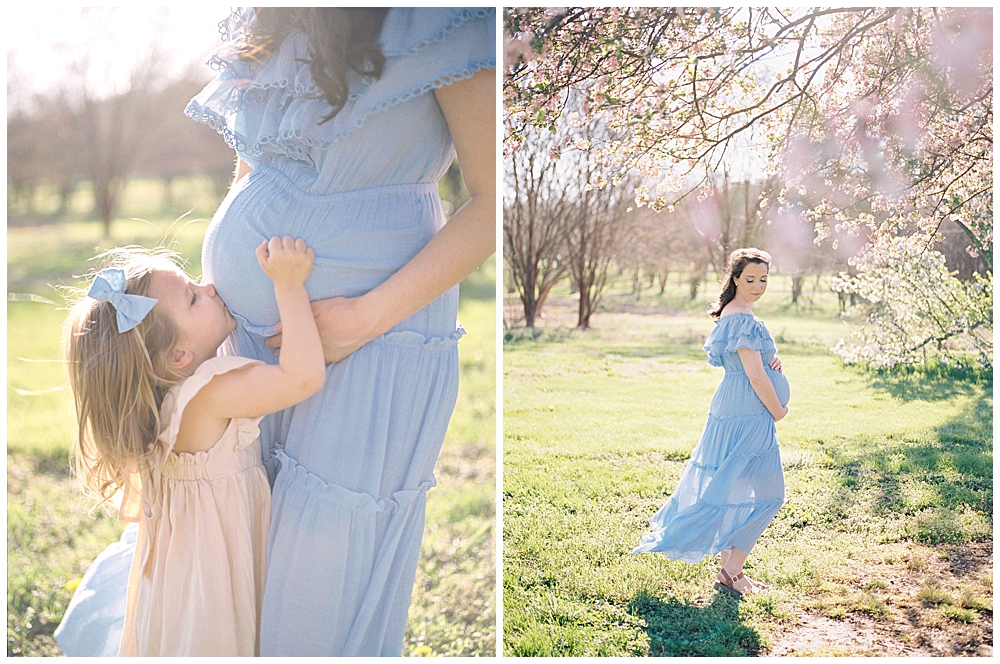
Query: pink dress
[[197, 578]]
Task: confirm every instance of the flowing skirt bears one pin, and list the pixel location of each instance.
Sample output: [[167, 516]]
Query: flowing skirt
[[732, 487], [352, 464]]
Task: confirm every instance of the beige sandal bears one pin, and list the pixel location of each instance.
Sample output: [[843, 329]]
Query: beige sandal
[[728, 583]]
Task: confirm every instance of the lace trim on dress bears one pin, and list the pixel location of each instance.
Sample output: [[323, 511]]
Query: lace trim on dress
[[454, 22], [752, 413], [295, 144], [275, 82], [236, 23], [735, 331]]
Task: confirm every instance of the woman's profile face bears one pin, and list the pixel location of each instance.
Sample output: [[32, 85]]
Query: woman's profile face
[[752, 283]]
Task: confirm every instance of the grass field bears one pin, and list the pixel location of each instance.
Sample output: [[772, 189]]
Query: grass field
[[884, 546], [51, 539]]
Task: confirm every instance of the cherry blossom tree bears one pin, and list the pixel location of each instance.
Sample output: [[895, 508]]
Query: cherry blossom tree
[[880, 117]]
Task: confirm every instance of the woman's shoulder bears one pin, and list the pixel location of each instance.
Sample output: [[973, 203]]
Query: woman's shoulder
[[734, 330], [273, 106], [408, 30], [736, 318]]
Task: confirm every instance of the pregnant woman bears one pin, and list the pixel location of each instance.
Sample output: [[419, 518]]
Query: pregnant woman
[[343, 121], [733, 486]]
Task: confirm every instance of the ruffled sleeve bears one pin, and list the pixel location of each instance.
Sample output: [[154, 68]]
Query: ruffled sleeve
[[272, 108], [178, 399], [732, 332]]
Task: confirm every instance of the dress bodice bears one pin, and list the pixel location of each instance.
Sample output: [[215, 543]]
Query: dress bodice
[[735, 394], [271, 111]]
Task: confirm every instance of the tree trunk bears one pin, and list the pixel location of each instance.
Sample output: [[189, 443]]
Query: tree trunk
[[528, 300], [583, 313], [696, 278], [529, 316], [65, 191], [797, 287], [105, 199], [168, 193], [637, 283], [663, 281]]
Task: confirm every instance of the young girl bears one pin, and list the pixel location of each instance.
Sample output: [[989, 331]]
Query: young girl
[[173, 425]]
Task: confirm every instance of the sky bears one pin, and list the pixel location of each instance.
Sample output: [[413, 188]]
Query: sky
[[41, 41]]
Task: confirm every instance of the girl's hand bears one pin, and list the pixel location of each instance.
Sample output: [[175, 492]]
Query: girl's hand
[[784, 411], [775, 363], [286, 262], [469, 237], [344, 326]]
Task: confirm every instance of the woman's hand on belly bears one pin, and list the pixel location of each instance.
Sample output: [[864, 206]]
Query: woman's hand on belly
[[344, 326], [775, 363]]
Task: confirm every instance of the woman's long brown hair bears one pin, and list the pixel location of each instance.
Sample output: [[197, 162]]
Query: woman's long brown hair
[[341, 39]]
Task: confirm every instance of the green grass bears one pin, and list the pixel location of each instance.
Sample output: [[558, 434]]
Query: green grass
[[51, 538], [883, 471]]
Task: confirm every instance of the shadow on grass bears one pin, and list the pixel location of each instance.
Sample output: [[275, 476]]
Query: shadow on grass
[[682, 628], [530, 336], [935, 491], [53, 463], [932, 382]]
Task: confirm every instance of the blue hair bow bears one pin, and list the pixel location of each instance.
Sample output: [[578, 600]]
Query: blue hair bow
[[109, 286]]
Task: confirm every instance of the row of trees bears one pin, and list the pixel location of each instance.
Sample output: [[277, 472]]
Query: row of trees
[[82, 132], [872, 128], [559, 225]]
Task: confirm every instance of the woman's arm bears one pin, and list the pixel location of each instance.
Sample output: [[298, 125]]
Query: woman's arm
[[754, 366], [469, 237]]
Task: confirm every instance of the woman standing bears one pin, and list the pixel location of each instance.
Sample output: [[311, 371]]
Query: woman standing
[[343, 121], [733, 486]]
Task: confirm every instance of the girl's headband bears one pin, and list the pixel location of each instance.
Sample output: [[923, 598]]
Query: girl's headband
[[109, 286]]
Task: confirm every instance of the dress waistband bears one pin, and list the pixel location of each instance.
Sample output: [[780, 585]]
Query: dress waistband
[[205, 466], [283, 179]]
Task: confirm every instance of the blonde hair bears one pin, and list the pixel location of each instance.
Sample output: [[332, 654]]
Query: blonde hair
[[119, 380]]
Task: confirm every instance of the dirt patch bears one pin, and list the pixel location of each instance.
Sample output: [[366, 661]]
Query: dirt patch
[[934, 601]]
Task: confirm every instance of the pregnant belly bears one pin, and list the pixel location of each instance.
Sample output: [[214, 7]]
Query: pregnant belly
[[780, 384], [360, 238]]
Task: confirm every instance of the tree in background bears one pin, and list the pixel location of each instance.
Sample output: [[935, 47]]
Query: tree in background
[[535, 211], [179, 147], [726, 215], [106, 121], [112, 128], [603, 197], [916, 307], [881, 117]]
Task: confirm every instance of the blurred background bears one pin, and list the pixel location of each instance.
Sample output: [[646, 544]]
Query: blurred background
[[95, 115], [100, 154]]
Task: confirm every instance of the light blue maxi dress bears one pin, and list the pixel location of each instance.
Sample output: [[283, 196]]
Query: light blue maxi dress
[[733, 485], [350, 466]]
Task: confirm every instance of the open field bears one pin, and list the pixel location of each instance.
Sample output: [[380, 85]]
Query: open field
[[51, 539], [884, 546]]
